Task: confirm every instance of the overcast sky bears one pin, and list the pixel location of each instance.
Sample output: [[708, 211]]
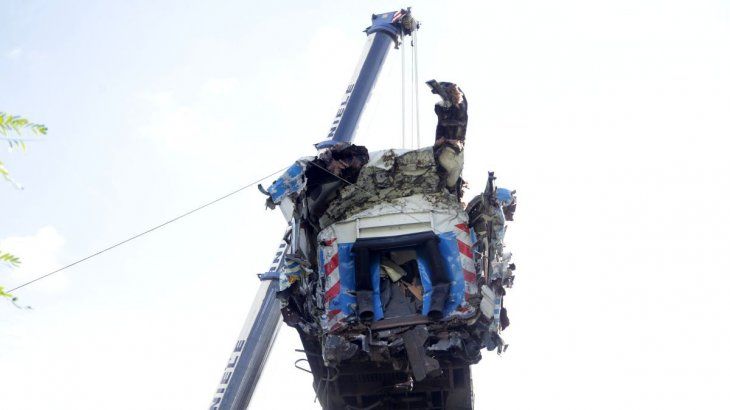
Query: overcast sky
[[610, 119]]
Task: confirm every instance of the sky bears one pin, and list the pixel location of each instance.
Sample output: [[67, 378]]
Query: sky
[[610, 119]]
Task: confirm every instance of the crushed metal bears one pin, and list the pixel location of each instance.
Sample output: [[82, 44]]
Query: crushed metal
[[332, 198]]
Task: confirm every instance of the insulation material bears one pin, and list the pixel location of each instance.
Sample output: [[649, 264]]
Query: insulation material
[[442, 213], [390, 175]]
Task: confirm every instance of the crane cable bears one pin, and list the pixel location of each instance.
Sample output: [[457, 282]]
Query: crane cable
[[154, 228], [414, 48], [415, 129], [413, 89], [403, 87]]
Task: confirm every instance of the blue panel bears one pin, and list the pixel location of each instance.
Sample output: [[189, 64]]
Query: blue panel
[[291, 181], [449, 249], [425, 272], [346, 299], [504, 196], [375, 279]]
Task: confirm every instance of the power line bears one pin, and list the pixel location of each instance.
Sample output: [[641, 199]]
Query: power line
[[154, 228]]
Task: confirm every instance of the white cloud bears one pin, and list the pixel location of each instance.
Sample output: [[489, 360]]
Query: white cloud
[[218, 86], [39, 254], [14, 54], [187, 124]]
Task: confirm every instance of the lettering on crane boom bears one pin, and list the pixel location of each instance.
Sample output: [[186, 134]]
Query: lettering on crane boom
[[227, 374], [238, 349], [341, 111]]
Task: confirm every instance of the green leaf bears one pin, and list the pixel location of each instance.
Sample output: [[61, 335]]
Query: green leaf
[[5, 174], [18, 124], [4, 294], [9, 258]]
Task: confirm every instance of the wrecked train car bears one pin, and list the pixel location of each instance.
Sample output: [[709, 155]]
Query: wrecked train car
[[393, 285]]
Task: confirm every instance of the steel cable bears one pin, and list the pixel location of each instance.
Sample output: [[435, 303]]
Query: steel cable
[[154, 228]]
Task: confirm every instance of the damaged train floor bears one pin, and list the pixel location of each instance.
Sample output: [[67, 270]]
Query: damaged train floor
[[372, 386]]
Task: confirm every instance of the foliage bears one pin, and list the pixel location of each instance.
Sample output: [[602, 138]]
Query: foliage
[[13, 299], [11, 128], [4, 294], [9, 258], [9, 123], [12, 260]]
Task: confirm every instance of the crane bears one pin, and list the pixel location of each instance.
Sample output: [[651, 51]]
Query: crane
[[392, 292]]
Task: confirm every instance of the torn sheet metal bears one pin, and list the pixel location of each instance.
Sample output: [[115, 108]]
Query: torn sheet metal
[[291, 182], [488, 303], [284, 190], [337, 349], [429, 264], [421, 364], [291, 272], [488, 215], [394, 271]]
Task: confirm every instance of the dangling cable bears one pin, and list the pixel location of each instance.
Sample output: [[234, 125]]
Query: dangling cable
[[413, 105], [403, 88], [413, 98], [416, 84]]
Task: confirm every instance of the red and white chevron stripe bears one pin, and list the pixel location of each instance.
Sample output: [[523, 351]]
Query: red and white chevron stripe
[[466, 257], [333, 317], [331, 271]]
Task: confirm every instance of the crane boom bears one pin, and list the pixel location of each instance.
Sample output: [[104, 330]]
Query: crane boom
[[386, 29], [262, 324], [255, 340]]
